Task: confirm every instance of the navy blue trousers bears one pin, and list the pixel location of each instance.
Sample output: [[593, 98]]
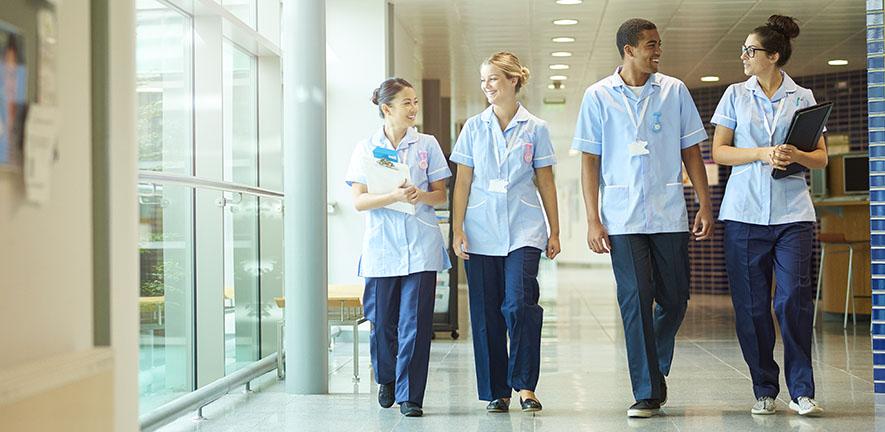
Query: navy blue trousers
[[751, 253], [503, 292], [401, 312], [652, 274]]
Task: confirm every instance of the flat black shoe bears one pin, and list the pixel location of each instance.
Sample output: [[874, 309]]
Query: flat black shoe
[[663, 390], [644, 409], [529, 405], [385, 395], [411, 409], [498, 406]]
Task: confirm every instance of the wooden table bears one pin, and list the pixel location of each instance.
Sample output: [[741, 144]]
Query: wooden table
[[850, 216], [345, 307]]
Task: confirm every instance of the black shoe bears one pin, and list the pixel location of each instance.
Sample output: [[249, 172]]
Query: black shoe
[[529, 405], [644, 409], [411, 409], [385, 395], [663, 390], [498, 406]]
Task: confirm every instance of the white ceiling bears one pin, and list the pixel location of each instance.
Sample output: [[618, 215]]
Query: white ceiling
[[701, 37]]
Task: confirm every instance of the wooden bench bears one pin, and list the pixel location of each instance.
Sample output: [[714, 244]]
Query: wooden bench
[[345, 307]]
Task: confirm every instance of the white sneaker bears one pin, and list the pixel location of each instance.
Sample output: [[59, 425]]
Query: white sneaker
[[806, 406], [764, 406]]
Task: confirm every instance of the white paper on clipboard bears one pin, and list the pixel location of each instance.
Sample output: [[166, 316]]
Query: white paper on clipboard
[[382, 180]]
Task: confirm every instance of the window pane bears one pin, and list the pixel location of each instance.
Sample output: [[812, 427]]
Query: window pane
[[242, 269], [242, 9], [166, 297], [240, 106], [271, 271], [164, 88]]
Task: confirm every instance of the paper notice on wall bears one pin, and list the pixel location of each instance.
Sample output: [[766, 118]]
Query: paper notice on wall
[[41, 134]]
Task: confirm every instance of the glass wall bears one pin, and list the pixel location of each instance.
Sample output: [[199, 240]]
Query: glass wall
[[210, 241]]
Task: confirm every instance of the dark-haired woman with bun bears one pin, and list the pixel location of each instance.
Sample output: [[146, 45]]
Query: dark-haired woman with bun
[[769, 223], [401, 252]]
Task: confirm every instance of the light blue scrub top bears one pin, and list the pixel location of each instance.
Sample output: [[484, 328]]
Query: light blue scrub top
[[396, 243], [751, 194], [641, 194], [501, 219]]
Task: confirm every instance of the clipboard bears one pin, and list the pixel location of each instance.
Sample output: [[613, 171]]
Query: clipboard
[[804, 133], [385, 177]]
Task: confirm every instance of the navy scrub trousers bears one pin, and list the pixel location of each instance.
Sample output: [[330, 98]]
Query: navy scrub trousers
[[751, 253], [652, 274], [503, 293], [401, 312]]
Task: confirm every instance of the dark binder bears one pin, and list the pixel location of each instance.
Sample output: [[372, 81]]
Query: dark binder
[[805, 131]]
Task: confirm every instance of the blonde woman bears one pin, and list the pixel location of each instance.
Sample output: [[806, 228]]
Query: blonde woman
[[505, 162]]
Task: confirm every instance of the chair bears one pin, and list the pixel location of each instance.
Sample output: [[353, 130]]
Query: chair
[[837, 240]]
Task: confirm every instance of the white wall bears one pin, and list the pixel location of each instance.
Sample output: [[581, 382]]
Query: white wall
[[408, 60], [356, 39], [572, 216], [46, 252]]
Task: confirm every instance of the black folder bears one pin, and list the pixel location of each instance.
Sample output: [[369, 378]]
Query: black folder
[[805, 131]]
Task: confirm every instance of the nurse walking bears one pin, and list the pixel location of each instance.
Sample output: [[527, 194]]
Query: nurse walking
[[769, 224], [401, 252], [636, 128], [499, 230]]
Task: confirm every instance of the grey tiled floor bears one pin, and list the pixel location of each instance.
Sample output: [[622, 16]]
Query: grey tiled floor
[[584, 384]]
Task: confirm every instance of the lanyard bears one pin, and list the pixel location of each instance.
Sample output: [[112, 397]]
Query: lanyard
[[510, 143], [636, 121], [768, 125]]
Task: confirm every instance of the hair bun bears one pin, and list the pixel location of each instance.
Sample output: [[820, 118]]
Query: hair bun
[[784, 25], [375, 95], [525, 75]]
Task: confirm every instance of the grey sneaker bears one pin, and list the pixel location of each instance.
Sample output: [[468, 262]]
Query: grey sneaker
[[644, 409], [764, 406], [806, 406]]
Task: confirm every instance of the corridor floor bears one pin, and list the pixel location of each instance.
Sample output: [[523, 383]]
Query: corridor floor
[[584, 384]]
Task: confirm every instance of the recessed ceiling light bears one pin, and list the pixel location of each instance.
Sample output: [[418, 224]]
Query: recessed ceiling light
[[565, 22], [554, 87], [559, 66], [563, 39], [558, 77], [837, 62], [554, 100], [710, 78], [569, 2], [561, 54]]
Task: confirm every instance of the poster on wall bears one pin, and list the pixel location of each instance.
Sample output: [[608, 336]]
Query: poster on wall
[[13, 95]]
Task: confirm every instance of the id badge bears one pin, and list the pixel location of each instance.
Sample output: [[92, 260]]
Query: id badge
[[383, 153], [638, 148], [498, 186]]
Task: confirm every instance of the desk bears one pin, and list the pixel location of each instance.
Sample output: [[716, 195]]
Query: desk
[[345, 307], [850, 215]]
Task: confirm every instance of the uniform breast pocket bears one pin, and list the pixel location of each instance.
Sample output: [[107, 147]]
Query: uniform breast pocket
[[614, 204]]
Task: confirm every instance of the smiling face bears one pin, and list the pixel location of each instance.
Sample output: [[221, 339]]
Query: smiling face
[[496, 86], [646, 55], [403, 109], [761, 62]]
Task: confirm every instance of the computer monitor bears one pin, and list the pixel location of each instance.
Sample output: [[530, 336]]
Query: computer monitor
[[856, 174]]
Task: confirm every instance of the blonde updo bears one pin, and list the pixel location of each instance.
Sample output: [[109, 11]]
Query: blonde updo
[[509, 64]]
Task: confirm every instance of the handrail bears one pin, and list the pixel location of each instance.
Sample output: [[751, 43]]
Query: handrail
[[205, 395], [186, 180]]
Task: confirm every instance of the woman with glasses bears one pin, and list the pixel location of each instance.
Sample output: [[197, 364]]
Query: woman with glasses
[[769, 223], [402, 252]]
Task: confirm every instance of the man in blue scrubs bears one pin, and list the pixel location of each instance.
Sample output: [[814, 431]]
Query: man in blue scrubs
[[636, 128]]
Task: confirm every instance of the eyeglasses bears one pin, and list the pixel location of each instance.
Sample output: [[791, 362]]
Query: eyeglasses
[[751, 51]]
